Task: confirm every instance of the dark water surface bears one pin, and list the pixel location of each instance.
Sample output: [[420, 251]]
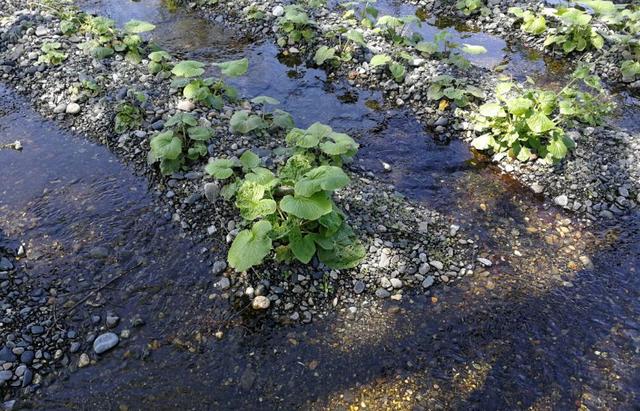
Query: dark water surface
[[552, 324]]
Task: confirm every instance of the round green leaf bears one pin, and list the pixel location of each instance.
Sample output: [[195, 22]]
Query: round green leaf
[[188, 68], [166, 145], [308, 208], [250, 247], [323, 178]]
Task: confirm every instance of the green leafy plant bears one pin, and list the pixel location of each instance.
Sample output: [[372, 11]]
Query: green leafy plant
[[530, 122], [630, 70], [362, 12], [452, 52], [396, 69], [85, 89], [71, 20], [208, 91], [182, 139], [159, 61], [469, 7], [129, 114], [531, 22], [452, 89], [348, 42], [296, 215], [295, 26], [575, 32], [107, 40], [254, 13], [395, 29], [52, 53]]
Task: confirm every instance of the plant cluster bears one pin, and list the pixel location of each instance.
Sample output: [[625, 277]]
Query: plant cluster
[[532, 23], [244, 121], [449, 89], [397, 70], [469, 7], [159, 62], [181, 139], [52, 53], [529, 122], [296, 216], [295, 25], [85, 88], [363, 12], [573, 33], [129, 114], [210, 91], [107, 40], [449, 51]]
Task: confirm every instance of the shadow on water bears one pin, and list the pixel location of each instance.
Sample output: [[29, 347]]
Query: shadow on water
[[540, 328]]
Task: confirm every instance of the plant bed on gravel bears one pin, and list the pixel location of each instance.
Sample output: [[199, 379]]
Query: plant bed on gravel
[[398, 257]]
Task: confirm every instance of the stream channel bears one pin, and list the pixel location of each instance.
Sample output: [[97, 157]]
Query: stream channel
[[528, 332]]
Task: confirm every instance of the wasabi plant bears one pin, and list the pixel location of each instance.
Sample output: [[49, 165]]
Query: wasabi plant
[[244, 121], [85, 88], [52, 54], [349, 41], [129, 114], [208, 91], [528, 123], [396, 69], [181, 139], [630, 70], [107, 40], [469, 7], [450, 89], [363, 12], [159, 61], [71, 20], [531, 22], [295, 26], [449, 51], [395, 29], [575, 32], [291, 212]]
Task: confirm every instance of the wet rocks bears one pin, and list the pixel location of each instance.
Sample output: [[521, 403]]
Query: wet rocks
[[105, 342], [277, 11], [185, 105], [260, 303], [428, 282], [223, 283], [382, 293], [561, 200], [72, 108], [211, 191], [84, 360]]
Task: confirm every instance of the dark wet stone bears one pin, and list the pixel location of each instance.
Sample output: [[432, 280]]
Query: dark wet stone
[[5, 264], [27, 357], [37, 329], [105, 342], [27, 378], [6, 355]]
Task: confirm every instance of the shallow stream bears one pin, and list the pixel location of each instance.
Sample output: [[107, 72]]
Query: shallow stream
[[552, 324]]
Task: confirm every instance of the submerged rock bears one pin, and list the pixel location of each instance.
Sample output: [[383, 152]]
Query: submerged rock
[[105, 342]]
